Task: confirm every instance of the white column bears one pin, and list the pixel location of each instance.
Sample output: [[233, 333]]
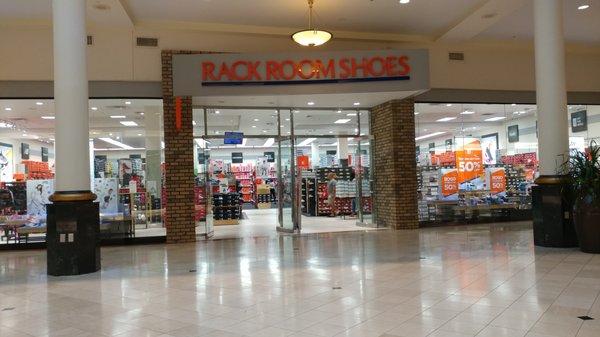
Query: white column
[[71, 96], [314, 154], [342, 148], [553, 135]]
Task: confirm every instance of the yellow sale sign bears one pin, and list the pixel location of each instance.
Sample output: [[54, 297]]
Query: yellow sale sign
[[469, 160]]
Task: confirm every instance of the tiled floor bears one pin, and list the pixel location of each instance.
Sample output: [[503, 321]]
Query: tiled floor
[[448, 282]]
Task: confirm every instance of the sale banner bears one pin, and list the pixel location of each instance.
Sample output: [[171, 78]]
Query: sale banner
[[448, 184], [496, 180], [469, 160]]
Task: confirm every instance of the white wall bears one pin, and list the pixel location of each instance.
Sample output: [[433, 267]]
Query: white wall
[[26, 54]]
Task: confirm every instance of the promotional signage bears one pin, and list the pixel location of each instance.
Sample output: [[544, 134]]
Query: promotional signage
[[357, 71], [448, 145], [496, 180], [270, 157], [448, 184], [431, 148], [469, 161], [579, 121], [233, 138], [513, 134], [489, 143], [237, 157]]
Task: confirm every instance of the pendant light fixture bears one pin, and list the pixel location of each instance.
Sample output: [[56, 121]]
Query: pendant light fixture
[[311, 37]]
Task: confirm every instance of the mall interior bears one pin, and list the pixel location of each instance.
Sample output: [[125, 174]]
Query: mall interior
[[299, 168]]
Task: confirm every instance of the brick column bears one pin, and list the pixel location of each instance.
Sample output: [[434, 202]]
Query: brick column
[[179, 160], [394, 164]]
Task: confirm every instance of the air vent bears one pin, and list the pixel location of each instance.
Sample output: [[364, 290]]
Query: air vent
[[456, 56], [90, 40], [147, 42]]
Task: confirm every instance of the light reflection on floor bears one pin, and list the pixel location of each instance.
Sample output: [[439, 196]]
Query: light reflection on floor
[[486, 280]]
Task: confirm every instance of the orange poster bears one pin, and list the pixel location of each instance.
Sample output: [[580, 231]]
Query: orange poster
[[496, 180], [469, 161], [302, 162], [448, 184]]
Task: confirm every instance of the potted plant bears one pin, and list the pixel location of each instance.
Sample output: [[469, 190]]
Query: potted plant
[[584, 171]]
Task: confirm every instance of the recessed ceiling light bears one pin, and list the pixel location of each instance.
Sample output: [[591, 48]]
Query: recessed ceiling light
[[287, 119], [47, 117], [94, 108], [282, 126], [514, 104], [216, 132], [264, 131], [139, 134], [311, 103], [356, 103], [39, 103], [110, 134], [256, 119], [494, 119], [217, 112], [141, 113], [467, 112], [127, 103], [582, 7], [342, 121], [339, 111], [448, 104], [253, 126], [330, 131], [416, 113], [446, 119], [8, 109], [117, 116], [194, 123], [351, 114], [404, 1], [129, 123]]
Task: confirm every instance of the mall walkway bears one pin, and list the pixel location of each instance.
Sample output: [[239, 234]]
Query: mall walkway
[[464, 281]]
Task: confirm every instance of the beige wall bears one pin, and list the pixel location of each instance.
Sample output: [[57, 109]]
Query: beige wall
[[26, 54]]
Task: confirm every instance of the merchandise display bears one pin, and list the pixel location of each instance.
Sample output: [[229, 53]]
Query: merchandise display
[[226, 209]]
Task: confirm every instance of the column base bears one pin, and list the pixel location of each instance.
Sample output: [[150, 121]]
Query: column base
[[552, 213], [73, 241]]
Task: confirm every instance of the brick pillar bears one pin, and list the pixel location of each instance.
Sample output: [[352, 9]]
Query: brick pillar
[[179, 161], [394, 164]]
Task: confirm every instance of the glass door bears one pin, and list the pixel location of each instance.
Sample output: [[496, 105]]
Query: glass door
[[364, 183], [286, 195], [203, 192]]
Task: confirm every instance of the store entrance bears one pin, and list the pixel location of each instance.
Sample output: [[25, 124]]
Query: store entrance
[[255, 176]]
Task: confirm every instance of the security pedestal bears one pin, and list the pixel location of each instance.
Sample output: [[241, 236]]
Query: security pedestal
[[552, 213], [73, 236]]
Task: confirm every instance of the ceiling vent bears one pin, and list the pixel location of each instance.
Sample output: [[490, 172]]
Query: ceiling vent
[[90, 40], [147, 42], [455, 56]]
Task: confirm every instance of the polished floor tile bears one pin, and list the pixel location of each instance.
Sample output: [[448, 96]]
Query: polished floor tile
[[483, 280]]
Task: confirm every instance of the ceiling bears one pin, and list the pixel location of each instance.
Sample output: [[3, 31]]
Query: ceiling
[[419, 20]]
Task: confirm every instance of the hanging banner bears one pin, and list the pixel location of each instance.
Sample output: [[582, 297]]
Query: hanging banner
[[469, 163], [448, 184], [495, 180]]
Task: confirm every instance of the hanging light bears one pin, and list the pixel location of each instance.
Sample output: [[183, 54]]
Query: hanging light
[[311, 37]]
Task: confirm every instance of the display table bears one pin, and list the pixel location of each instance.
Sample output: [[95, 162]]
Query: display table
[[116, 225], [25, 231]]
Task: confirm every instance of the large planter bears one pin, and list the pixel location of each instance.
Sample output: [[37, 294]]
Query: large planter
[[587, 225]]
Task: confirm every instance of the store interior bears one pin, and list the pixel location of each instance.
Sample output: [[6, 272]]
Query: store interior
[[476, 163]]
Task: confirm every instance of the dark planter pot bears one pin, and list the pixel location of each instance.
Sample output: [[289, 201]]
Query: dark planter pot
[[587, 225]]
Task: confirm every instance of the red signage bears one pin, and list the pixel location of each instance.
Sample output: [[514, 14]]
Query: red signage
[[393, 67]]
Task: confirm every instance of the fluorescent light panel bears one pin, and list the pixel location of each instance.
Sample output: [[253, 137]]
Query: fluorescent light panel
[[342, 121], [118, 116], [446, 119], [269, 142], [129, 123], [495, 119], [307, 141], [439, 133], [116, 143]]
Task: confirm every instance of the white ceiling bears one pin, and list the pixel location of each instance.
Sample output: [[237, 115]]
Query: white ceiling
[[425, 20]]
